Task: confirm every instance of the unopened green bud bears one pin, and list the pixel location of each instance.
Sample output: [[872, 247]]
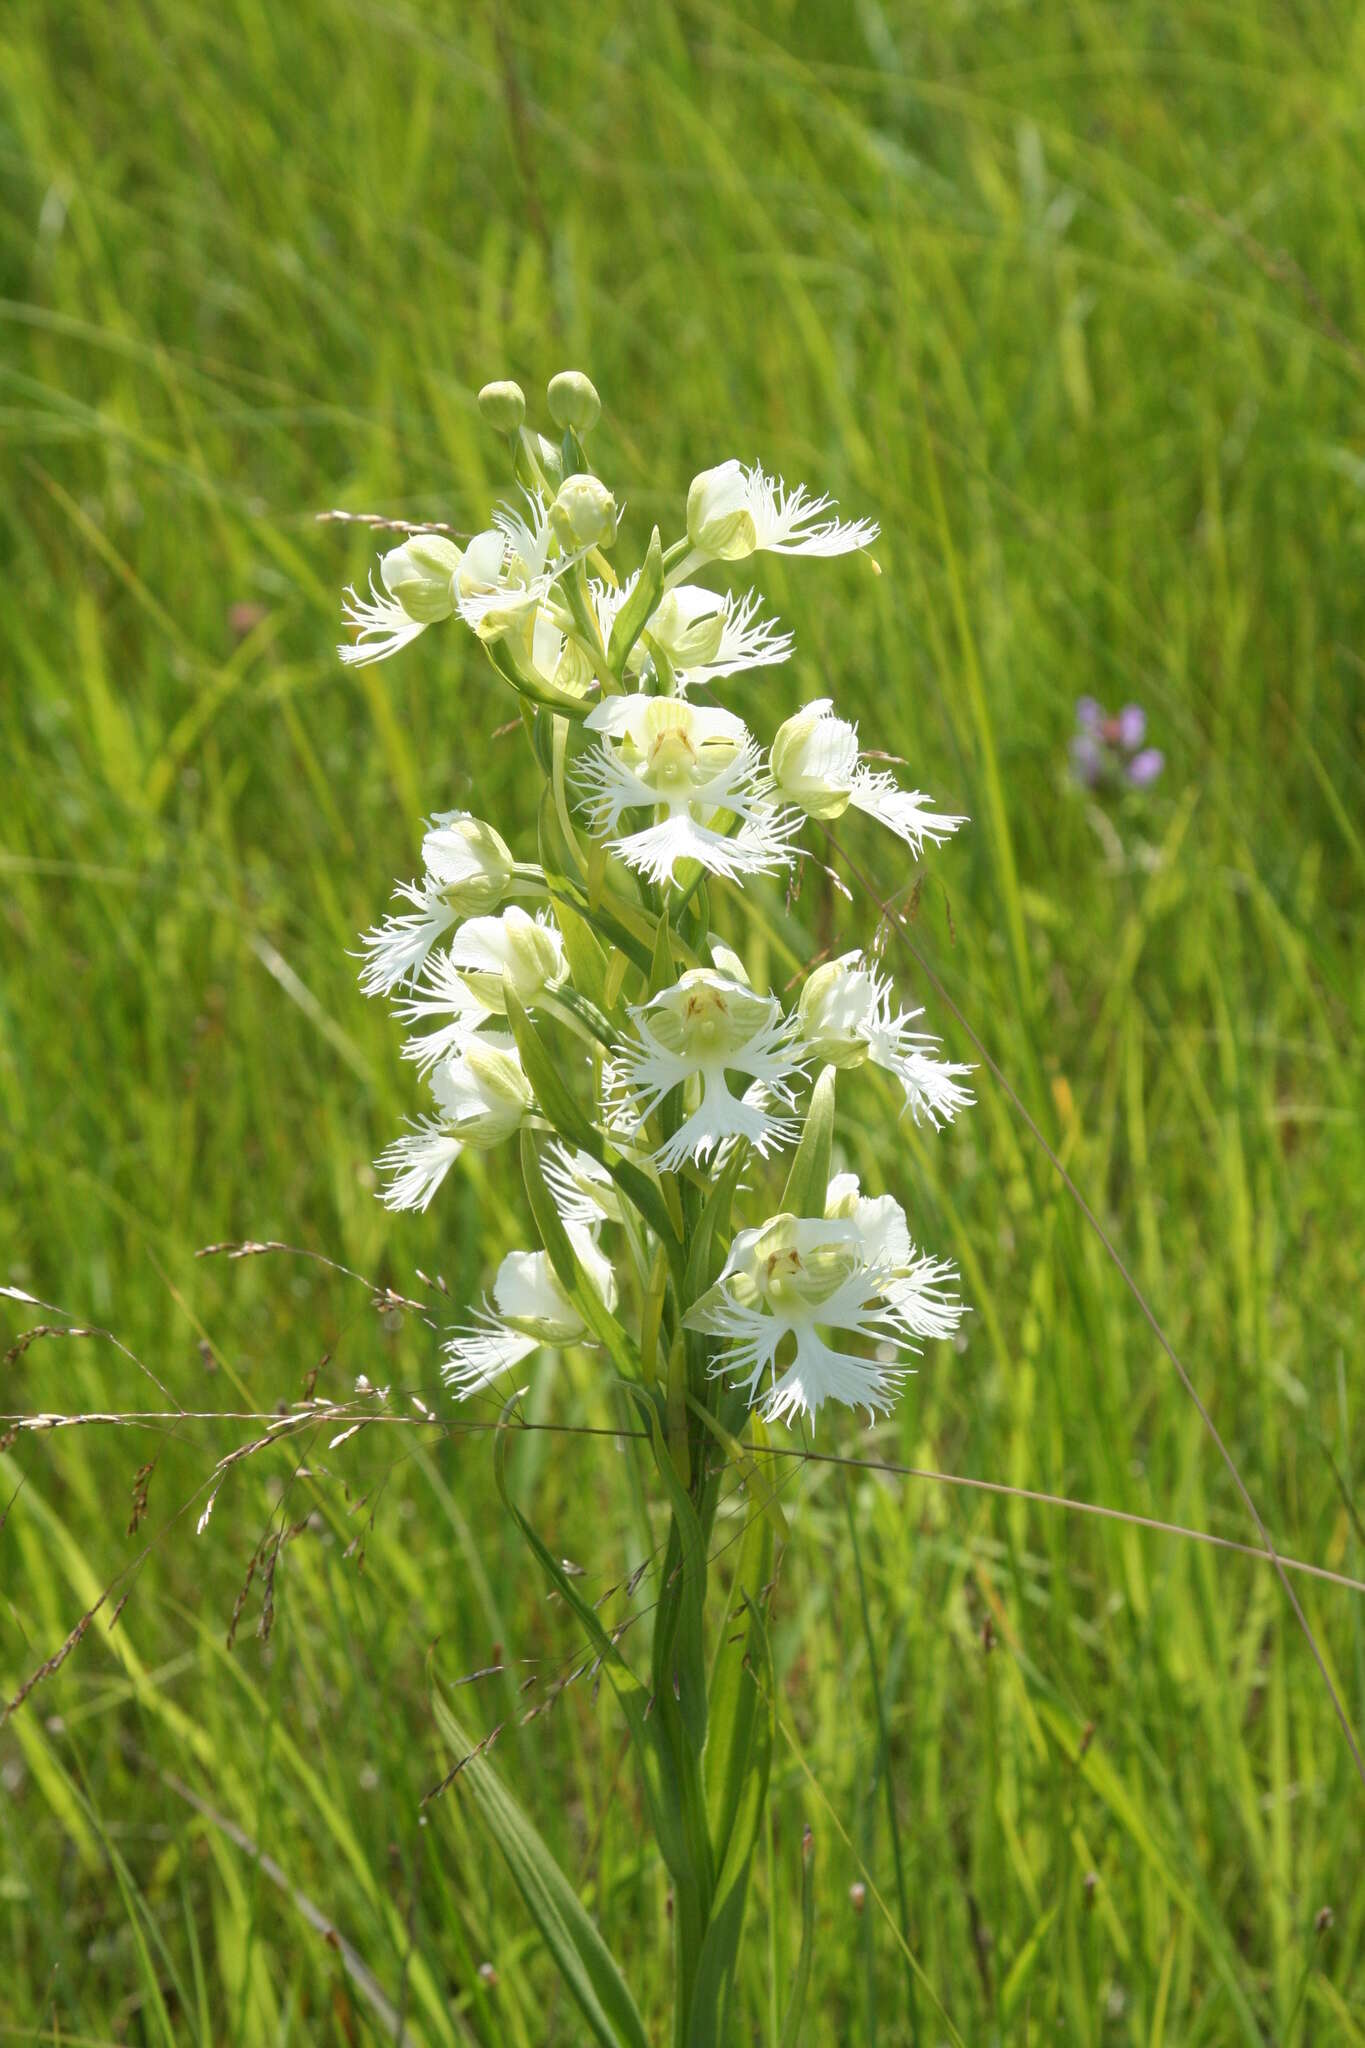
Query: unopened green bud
[[719, 519], [573, 401], [503, 405], [584, 513], [419, 574]]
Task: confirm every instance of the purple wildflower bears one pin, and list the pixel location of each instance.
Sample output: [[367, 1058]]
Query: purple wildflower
[[1107, 750]]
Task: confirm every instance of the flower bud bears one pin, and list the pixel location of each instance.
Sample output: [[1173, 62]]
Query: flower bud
[[689, 624], [573, 401], [814, 758], [420, 574], [503, 406], [719, 521], [529, 1298], [833, 1009], [469, 862], [484, 1092], [513, 951], [584, 513]]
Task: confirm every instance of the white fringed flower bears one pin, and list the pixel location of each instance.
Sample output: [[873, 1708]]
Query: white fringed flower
[[529, 1311], [789, 1284], [467, 868], [846, 1017], [701, 768], [815, 762], [694, 1035], [468, 982], [583, 1191], [922, 1289], [733, 512], [482, 1096], [418, 578], [704, 634]]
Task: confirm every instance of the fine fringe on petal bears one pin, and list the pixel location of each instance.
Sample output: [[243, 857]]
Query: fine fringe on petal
[[417, 1163]]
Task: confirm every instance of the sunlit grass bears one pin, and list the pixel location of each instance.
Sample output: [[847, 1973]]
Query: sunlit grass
[[1068, 298]]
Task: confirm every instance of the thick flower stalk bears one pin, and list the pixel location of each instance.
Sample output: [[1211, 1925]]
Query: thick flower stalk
[[593, 1000]]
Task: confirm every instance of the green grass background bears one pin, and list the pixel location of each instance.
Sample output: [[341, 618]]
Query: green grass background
[[1067, 296]]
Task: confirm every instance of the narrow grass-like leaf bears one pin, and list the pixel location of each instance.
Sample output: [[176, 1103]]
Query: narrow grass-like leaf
[[585, 1963], [808, 1180]]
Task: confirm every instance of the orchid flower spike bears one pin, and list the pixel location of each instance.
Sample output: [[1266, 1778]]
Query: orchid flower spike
[[734, 511], [693, 1036], [788, 1283], [529, 1311], [468, 868], [846, 1019], [816, 763], [482, 1096], [697, 764]]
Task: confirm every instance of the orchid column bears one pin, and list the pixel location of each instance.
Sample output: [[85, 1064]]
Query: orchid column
[[575, 996]]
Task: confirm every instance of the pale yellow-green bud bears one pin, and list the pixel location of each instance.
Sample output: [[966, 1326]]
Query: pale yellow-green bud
[[419, 574], [689, 625], [503, 405], [573, 401], [834, 1005], [584, 513], [719, 520], [529, 1297], [513, 951], [814, 758], [470, 862], [498, 1097]]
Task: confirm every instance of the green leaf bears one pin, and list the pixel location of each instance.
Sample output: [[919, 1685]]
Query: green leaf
[[547, 1082], [634, 614], [744, 1699], [808, 1181], [661, 975], [734, 1698], [713, 1224], [759, 1483], [791, 2025], [587, 961], [678, 1641], [556, 857], [544, 694], [663, 1791], [583, 1959]]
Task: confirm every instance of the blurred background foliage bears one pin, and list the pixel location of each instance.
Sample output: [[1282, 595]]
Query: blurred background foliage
[[1068, 296]]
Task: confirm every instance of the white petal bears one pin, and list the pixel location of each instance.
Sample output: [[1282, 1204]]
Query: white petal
[[382, 627], [789, 522], [395, 950], [818, 1373], [479, 1356], [903, 811], [417, 1163]]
